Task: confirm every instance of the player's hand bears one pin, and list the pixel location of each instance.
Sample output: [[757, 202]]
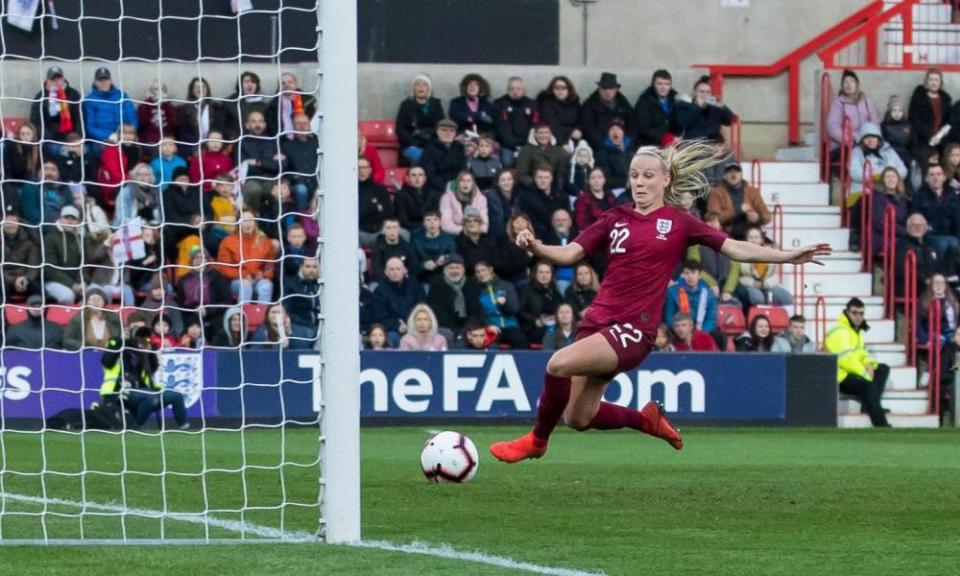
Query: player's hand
[[809, 253], [526, 240]]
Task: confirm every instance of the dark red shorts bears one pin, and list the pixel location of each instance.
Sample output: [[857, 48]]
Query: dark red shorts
[[631, 344]]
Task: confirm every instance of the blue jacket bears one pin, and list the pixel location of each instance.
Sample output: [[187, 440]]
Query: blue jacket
[[704, 316], [429, 249], [163, 169], [104, 112], [502, 315]]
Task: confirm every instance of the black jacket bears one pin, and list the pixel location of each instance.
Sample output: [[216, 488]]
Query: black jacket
[[189, 131], [410, 204], [706, 122], [540, 208], [510, 262], [442, 163], [383, 252], [562, 116], [273, 112], [473, 252], [49, 126], [392, 302], [300, 298], [652, 121], [375, 205], [921, 115], [514, 120], [928, 262], [301, 159], [34, 334], [481, 121], [180, 204], [595, 118], [538, 300], [442, 300], [263, 149], [942, 213], [899, 135], [616, 163], [416, 123]]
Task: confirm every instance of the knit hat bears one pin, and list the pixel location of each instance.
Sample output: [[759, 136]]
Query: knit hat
[[425, 78], [471, 212], [895, 101]]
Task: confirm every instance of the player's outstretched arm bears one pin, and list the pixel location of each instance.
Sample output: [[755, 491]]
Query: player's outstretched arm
[[741, 251], [560, 255]]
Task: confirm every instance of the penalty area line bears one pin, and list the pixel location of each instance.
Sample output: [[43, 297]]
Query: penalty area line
[[269, 533]]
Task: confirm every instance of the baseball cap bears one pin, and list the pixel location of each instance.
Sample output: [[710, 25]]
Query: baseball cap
[[733, 166], [102, 73], [453, 259], [447, 123], [35, 300], [54, 71], [70, 210]]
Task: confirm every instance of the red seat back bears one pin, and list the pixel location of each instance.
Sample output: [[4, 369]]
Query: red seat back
[[389, 157], [380, 133], [779, 317], [730, 320], [255, 313], [15, 314], [11, 126], [61, 315], [395, 178]]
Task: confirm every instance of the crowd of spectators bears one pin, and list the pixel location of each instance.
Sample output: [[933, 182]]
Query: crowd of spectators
[[220, 190], [483, 168]]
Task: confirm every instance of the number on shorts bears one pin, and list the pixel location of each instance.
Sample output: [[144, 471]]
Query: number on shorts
[[617, 238], [628, 336]]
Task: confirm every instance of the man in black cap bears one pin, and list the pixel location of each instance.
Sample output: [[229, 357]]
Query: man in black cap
[[106, 108], [35, 331], [450, 300], [444, 157], [656, 112], [21, 258], [605, 104], [56, 111]]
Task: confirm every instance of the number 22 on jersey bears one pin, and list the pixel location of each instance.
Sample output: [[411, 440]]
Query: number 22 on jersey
[[617, 237]]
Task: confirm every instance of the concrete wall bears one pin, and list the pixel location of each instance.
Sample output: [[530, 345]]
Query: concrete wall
[[635, 37]]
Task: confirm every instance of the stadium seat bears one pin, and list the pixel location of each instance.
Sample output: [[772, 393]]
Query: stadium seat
[[730, 320], [255, 313], [61, 314], [125, 312], [14, 314], [779, 318], [11, 125], [395, 178], [390, 157], [380, 133]]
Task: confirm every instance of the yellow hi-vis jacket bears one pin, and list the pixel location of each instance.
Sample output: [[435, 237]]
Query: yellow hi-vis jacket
[[847, 344], [112, 362]]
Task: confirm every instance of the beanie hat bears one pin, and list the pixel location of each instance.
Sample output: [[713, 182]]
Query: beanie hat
[[895, 101], [849, 74], [425, 78]]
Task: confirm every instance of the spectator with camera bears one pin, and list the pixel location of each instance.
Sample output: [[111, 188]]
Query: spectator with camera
[[707, 115]]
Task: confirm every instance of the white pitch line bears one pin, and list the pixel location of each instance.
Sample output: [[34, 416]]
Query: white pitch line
[[442, 551]]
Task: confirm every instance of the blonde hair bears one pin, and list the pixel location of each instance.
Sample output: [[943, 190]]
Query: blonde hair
[[411, 320], [685, 163]]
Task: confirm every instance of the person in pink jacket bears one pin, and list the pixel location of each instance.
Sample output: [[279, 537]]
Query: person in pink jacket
[[462, 193], [852, 103], [422, 331]]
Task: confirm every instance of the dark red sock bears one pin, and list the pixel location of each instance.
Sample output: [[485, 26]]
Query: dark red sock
[[553, 401], [613, 417]]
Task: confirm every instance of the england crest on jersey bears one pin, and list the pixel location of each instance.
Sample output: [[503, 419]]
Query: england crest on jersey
[[663, 227]]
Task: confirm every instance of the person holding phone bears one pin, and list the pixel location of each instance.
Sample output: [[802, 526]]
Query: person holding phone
[[705, 116]]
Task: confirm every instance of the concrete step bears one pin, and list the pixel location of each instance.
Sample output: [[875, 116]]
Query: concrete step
[[838, 238], [806, 153], [897, 402], [852, 283], [835, 308], [795, 193], [895, 420], [881, 331], [902, 378], [890, 353], [811, 216], [788, 171]]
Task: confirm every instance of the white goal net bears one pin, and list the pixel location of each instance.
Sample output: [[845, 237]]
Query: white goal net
[[180, 349]]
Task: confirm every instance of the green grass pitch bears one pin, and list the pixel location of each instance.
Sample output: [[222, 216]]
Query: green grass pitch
[[733, 502]]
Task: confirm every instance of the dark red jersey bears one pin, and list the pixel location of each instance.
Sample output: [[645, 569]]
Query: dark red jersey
[[642, 254]]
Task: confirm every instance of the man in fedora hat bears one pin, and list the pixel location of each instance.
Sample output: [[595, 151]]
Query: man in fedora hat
[[604, 105]]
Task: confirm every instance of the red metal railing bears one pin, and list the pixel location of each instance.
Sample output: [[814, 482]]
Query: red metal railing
[[820, 321], [790, 63], [826, 97], [934, 326], [778, 228], [866, 218], [799, 286], [909, 301], [846, 147], [736, 138], [889, 262]]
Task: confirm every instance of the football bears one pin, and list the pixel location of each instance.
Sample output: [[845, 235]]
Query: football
[[449, 457]]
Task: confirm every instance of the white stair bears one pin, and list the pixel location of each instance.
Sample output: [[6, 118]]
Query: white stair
[[809, 218]]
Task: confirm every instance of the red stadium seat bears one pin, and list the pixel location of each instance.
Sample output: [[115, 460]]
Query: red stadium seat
[[61, 314], [390, 157], [395, 178], [11, 125], [380, 133], [125, 313], [255, 313], [730, 320], [779, 317], [15, 314]]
